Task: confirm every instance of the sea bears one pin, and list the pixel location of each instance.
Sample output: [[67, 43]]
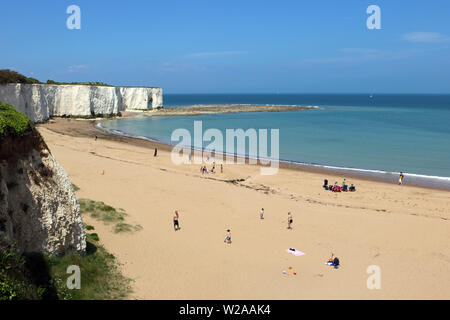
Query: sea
[[372, 135]]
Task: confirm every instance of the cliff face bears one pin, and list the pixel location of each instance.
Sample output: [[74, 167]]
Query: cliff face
[[41, 101], [38, 207]]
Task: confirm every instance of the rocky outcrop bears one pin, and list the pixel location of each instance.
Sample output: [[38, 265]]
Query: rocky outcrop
[[38, 207], [42, 101], [139, 97]]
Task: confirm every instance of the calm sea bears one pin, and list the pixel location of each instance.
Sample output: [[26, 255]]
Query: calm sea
[[380, 134]]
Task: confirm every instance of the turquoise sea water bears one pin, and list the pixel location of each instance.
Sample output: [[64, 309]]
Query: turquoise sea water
[[387, 133]]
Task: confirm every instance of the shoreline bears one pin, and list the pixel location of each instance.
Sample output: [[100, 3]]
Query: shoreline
[[90, 128]]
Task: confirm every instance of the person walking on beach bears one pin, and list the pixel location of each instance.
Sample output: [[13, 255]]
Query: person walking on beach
[[176, 224], [290, 220], [261, 215], [228, 237], [400, 178], [156, 152], [95, 138], [221, 168]]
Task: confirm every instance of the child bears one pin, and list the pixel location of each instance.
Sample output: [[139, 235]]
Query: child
[[400, 178], [290, 220], [261, 215], [228, 237]]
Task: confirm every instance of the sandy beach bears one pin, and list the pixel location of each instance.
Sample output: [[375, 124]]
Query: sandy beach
[[404, 230]]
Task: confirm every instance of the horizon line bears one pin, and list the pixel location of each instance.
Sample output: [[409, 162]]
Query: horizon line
[[329, 93]]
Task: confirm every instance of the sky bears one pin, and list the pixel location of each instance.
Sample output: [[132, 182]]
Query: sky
[[243, 46]]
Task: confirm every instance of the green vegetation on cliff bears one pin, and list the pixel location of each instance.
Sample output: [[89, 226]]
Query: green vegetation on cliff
[[10, 76], [15, 278], [36, 276], [97, 84], [101, 278], [13, 121]]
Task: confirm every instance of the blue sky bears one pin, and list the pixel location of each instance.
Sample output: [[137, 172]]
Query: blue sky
[[233, 46]]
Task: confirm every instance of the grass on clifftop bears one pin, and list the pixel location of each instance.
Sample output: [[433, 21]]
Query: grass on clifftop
[[12, 120], [11, 76]]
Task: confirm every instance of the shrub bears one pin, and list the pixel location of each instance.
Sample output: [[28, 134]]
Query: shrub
[[12, 120], [94, 236], [101, 276], [10, 76], [15, 279]]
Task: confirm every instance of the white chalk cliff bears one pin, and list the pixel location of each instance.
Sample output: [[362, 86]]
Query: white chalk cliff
[[39, 211], [42, 101]]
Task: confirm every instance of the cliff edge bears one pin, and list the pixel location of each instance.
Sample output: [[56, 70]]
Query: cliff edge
[[38, 207]]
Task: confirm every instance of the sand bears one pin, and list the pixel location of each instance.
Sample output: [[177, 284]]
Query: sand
[[404, 230]]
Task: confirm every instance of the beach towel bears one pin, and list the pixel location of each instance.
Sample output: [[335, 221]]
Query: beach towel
[[295, 252]]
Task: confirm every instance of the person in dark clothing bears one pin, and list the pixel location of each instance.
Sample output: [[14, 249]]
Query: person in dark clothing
[[176, 224]]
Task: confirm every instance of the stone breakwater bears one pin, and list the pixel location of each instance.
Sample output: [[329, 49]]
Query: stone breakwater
[[225, 108], [42, 101]]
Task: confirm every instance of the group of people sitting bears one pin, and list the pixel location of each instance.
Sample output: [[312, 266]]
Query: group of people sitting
[[203, 169], [338, 188], [333, 261]]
